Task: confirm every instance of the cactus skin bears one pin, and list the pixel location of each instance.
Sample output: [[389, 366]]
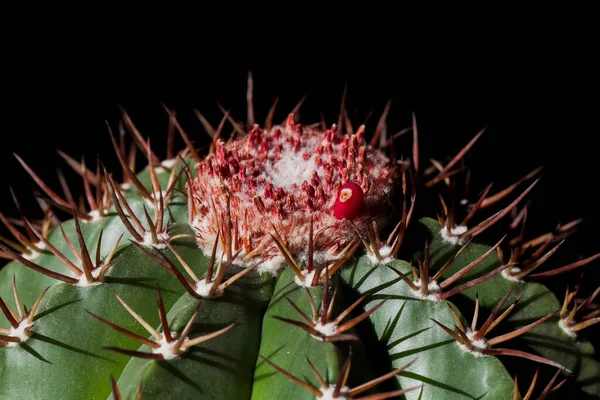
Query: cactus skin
[[576, 354], [278, 348], [66, 356], [226, 364]]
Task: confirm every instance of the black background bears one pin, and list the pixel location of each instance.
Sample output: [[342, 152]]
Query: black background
[[535, 90]]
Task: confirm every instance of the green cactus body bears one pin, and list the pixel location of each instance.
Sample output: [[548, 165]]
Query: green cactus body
[[251, 291], [291, 354], [547, 339], [404, 328]]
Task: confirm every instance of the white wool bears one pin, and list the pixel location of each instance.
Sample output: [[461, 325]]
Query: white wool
[[162, 237], [319, 257], [566, 328], [31, 256], [433, 288], [386, 256], [307, 278], [35, 254], [168, 163], [509, 274], [95, 214], [479, 345], [167, 349], [20, 332], [327, 393], [203, 289], [156, 197], [329, 329], [83, 281], [453, 237], [291, 169], [272, 265]]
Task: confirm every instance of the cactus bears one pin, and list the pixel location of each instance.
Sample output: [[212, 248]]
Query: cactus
[[290, 261]]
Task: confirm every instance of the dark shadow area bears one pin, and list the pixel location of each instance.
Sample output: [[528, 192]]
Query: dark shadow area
[[138, 282], [396, 342], [33, 352], [53, 309], [214, 364], [164, 365], [417, 350], [433, 382], [46, 339], [212, 353], [283, 293], [377, 356], [260, 363], [391, 326]]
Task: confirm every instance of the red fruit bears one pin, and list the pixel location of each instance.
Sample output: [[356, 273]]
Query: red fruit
[[349, 201]]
